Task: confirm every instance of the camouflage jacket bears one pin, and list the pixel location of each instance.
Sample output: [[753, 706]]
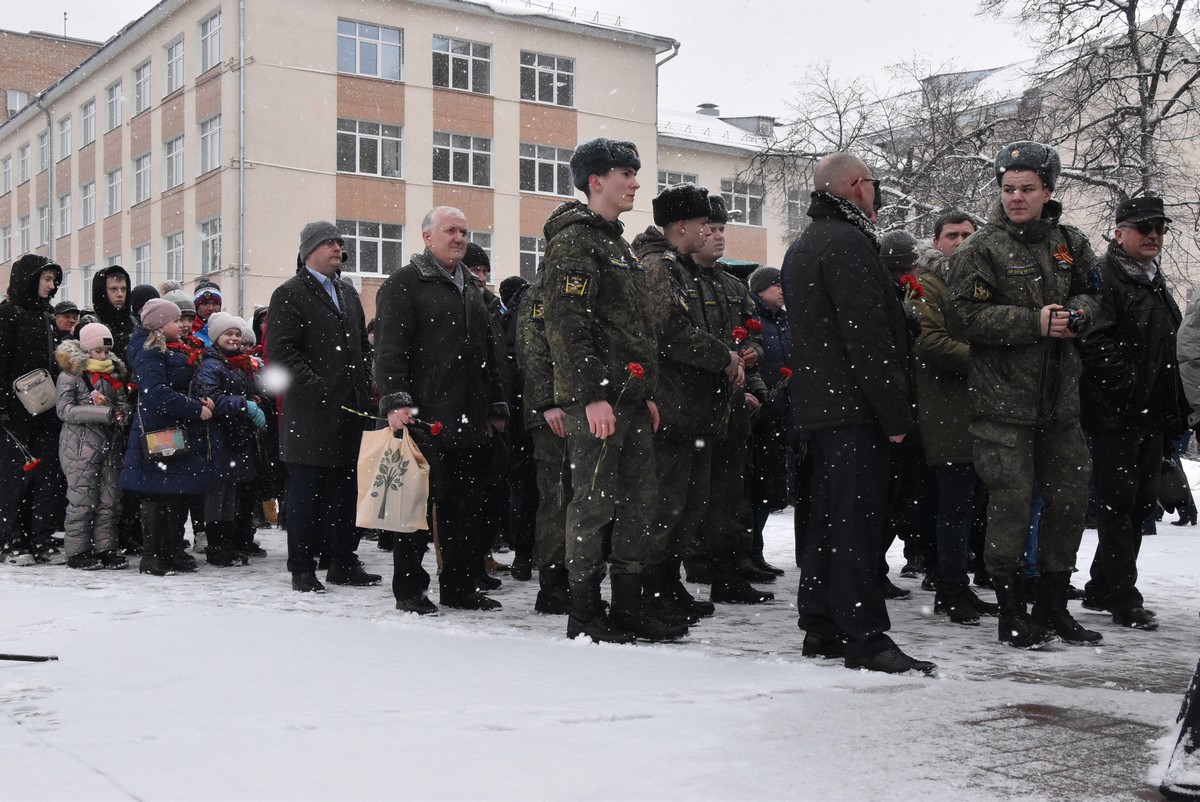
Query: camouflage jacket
[[597, 310], [533, 355], [1000, 279]]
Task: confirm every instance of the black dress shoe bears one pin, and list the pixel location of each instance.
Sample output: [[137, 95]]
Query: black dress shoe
[[891, 661], [470, 601], [891, 592], [1135, 618], [421, 605], [748, 571], [354, 576], [739, 591], [307, 582], [488, 582], [828, 646], [763, 565]]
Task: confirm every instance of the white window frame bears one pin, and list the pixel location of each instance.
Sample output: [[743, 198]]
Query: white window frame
[[462, 65], [87, 204], [15, 100], [141, 178], [453, 148], [532, 250], [64, 137], [668, 178], [88, 112], [210, 144], [210, 246], [114, 102], [114, 182], [43, 213], [64, 214], [173, 156], [5, 175], [173, 76], [141, 264], [142, 77], [6, 244], [210, 42], [23, 233], [483, 239], [369, 242], [173, 243], [43, 150], [364, 47], [22, 164], [542, 163], [744, 197], [359, 139], [547, 78]]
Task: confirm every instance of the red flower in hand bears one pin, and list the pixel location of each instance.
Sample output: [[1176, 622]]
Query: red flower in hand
[[912, 288], [636, 370], [435, 428], [740, 334], [31, 466], [754, 325], [785, 373]]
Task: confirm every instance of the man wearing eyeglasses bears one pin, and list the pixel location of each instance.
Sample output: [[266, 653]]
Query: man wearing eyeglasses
[[1132, 402]]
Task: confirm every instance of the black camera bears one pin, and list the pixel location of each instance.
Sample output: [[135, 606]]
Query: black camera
[[1075, 321]]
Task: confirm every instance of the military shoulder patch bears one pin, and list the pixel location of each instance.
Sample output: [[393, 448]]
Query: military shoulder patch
[[681, 298], [982, 292], [576, 284], [537, 311], [1021, 270]]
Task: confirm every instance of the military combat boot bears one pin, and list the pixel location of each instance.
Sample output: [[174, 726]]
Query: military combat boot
[[730, 588], [1050, 610], [679, 593], [658, 601], [628, 613], [958, 602], [1016, 628], [554, 592], [587, 615]]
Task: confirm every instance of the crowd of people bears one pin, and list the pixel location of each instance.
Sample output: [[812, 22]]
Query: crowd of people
[[637, 412]]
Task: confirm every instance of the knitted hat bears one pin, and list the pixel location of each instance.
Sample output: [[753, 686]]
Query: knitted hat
[[509, 287], [898, 251], [180, 299], [158, 313], [719, 212], [764, 277], [1135, 210], [221, 322], [95, 335], [313, 234], [680, 202], [207, 289], [1026, 155], [65, 308], [138, 297], [476, 257], [248, 337], [598, 156]]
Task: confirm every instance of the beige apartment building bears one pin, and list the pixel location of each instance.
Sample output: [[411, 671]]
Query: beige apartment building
[[199, 141]]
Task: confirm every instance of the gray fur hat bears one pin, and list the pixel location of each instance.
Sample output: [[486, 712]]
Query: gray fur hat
[[598, 156], [1027, 155]]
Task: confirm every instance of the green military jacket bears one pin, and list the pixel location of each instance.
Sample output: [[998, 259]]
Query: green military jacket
[[597, 309], [1000, 279], [943, 403], [533, 356]]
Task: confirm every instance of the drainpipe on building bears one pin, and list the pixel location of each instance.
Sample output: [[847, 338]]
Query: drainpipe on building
[[668, 58], [242, 157], [49, 176]]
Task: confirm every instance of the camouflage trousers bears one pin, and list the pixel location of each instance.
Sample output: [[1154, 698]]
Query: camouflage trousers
[[613, 482], [683, 466], [728, 528], [554, 491], [1012, 460]]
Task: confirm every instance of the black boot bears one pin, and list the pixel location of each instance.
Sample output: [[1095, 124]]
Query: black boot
[[730, 588], [1016, 628], [958, 602], [1050, 610], [587, 615], [677, 591], [154, 527], [658, 601], [554, 592], [220, 552], [353, 575], [628, 614], [748, 571]]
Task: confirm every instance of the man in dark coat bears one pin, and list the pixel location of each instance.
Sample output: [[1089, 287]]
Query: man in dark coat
[[319, 334], [1131, 402], [27, 344], [436, 358], [850, 394], [110, 301]]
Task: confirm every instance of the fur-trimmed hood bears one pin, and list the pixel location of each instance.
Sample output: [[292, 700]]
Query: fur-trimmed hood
[[73, 359]]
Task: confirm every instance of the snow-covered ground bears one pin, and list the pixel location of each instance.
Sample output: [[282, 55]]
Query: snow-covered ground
[[225, 684]]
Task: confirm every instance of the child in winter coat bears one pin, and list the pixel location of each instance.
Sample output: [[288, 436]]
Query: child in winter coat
[[223, 377], [93, 405]]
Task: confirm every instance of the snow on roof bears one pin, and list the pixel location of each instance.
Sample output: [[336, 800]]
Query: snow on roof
[[697, 127]]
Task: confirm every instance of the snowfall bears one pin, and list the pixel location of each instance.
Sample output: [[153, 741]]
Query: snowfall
[[226, 684]]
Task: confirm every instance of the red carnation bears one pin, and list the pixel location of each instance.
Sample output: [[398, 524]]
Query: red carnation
[[32, 465], [636, 370], [740, 334], [912, 288], [785, 373], [435, 428], [755, 325]]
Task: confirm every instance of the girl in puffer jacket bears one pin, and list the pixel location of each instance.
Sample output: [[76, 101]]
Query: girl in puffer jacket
[[93, 405]]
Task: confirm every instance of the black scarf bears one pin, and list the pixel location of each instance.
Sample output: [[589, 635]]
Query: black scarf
[[851, 214]]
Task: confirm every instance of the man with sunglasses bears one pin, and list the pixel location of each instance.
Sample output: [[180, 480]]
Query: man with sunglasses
[[1132, 402]]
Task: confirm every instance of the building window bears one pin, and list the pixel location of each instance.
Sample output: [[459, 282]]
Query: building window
[[23, 163], [368, 148], [174, 75], [795, 210], [458, 64], [372, 50], [210, 42], [115, 117], [87, 202], [16, 99], [532, 251], [462, 159], [6, 175], [141, 87], [210, 144], [116, 187], [23, 233], [43, 213], [64, 137], [174, 159], [6, 244], [141, 178], [210, 246], [547, 79], [744, 197], [546, 169], [141, 264], [113, 259], [64, 214], [174, 249], [374, 248], [43, 145], [483, 239], [88, 112], [668, 177]]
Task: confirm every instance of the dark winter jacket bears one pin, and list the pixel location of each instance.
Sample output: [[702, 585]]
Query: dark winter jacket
[[533, 356], [119, 321], [777, 344], [848, 328], [164, 401], [599, 316], [233, 434], [435, 351], [1000, 279], [510, 370], [91, 434], [327, 354], [26, 343], [1130, 372], [943, 403]]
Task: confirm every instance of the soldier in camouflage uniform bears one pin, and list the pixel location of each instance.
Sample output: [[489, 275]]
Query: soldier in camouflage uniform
[[547, 424], [604, 347], [1020, 288], [695, 368]]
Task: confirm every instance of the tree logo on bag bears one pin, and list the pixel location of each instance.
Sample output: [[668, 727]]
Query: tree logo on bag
[[390, 477]]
